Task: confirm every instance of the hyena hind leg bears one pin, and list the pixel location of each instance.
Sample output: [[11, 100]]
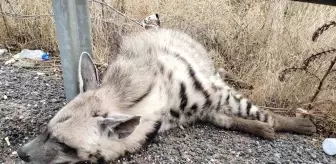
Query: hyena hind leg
[[293, 124], [254, 127], [241, 107]]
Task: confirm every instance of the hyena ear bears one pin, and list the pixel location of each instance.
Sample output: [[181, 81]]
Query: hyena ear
[[87, 73], [119, 126]]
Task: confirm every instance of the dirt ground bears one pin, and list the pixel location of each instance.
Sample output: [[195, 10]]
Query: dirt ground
[[29, 99]]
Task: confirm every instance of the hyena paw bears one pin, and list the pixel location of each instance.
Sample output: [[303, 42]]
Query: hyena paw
[[263, 130], [304, 126]]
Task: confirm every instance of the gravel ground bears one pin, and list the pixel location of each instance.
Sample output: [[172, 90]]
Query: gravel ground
[[29, 100]]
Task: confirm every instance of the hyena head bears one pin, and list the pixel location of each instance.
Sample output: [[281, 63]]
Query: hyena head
[[83, 130]]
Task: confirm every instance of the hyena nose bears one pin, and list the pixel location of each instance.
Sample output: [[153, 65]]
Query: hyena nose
[[24, 156]]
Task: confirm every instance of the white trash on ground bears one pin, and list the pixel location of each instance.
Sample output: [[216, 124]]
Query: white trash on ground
[[37, 55], [329, 146], [34, 55], [3, 51], [7, 141]]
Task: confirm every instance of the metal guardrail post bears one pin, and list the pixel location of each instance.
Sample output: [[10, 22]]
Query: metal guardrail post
[[73, 30]]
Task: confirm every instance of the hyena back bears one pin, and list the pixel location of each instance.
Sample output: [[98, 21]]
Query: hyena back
[[159, 80]]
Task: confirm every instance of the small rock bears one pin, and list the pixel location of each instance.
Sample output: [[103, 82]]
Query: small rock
[[7, 141], [40, 73], [14, 153], [249, 151], [21, 117], [313, 155], [54, 100], [5, 97], [277, 155]]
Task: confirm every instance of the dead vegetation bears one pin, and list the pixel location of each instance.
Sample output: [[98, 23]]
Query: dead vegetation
[[324, 78], [255, 40]]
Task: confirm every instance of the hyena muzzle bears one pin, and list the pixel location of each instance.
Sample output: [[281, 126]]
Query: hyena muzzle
[[160, 79]]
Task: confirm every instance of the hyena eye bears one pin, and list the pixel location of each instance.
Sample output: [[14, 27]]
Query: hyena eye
[[47, 138], [67, 149]]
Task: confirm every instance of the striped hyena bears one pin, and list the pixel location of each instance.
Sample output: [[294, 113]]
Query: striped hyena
[[160, 79]]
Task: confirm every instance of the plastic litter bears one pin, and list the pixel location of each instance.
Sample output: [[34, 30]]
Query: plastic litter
[[3, 51], [34, 55], [329, 146]]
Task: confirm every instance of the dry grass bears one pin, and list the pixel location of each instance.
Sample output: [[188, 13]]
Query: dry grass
[[254, 40]]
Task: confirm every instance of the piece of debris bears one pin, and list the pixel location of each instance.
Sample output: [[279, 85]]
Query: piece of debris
[[5, 97], [329, 146], [10, 61], [3, 51], [40, 73], [151, 22], [37, 55], [7, 141], [20, 59], [301, 113]]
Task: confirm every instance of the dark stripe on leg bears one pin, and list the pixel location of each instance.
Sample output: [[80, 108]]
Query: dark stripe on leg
[[150, 136], [266, 117], [183, 97], [161, 68], [174, 113], [258, 115], [248, 107], [227, 99], [207, 104], [219, 103], [170, 75], [237, 100], [194, 108]]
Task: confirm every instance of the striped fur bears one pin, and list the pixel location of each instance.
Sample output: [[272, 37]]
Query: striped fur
[[159, 80]]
